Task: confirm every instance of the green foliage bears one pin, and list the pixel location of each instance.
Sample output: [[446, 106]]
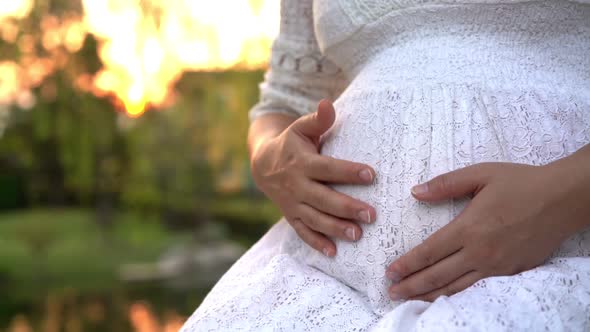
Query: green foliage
[[78, 149], [77, 262], [41, 250], [185, 164], [247, 220]]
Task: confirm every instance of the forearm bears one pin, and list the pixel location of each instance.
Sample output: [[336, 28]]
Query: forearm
[[267, 127], [572, 182]]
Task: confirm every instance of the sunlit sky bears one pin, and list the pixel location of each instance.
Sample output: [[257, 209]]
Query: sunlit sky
[[146, 45]]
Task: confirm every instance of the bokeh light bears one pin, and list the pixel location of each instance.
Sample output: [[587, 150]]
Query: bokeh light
[[145, 46], [122, 148]]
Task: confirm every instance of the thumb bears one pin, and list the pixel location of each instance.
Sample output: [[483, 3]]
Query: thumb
[[454, 184], [315, 124]]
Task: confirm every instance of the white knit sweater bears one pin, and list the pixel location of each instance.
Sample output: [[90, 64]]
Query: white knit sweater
[[321, 42]]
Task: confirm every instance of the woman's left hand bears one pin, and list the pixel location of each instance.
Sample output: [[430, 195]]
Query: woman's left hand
[[519, 215]]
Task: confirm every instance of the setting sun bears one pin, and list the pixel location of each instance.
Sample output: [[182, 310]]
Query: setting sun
[[146, 46], [15, 8]]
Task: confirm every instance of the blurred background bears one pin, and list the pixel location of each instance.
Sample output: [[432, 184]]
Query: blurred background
[[124, 184]]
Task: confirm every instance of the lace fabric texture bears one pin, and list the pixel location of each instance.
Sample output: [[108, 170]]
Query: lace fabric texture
[[484, 81], [437, 130]]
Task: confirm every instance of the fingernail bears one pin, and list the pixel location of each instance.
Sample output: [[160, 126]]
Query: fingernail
[[351, 233], [365, 216], [393, 276], [420, 189], [327, 252], [366, 175]]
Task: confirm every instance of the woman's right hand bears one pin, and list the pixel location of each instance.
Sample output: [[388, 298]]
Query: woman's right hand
[[290, 170]]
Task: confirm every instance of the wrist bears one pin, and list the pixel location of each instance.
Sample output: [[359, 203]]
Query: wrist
[[264, 129], [262, 158], [569, 180], [258, 146]]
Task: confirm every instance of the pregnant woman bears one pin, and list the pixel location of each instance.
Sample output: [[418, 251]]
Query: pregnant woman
[[447, 187]]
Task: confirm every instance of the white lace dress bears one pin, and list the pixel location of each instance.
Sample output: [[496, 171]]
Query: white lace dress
[[422, 87]]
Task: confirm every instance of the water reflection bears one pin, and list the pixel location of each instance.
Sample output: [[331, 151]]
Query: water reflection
[[74, 314], [143, 319]]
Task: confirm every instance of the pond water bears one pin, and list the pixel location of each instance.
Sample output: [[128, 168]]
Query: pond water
[[143, 308]]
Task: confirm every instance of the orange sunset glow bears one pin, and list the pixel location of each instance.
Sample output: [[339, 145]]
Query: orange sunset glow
[[145, 46]]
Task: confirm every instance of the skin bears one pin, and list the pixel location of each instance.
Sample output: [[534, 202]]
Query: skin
[[518, 216], [287, 166]]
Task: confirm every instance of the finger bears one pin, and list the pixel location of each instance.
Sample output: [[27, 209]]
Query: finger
[[329, 225], [439, 245], [316, 124], [330, 201], [455, 287], [454, 184], [332, 170], [314, 239], [432, 278]]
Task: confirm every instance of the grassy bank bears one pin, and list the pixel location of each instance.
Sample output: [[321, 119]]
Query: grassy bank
[[43, 250], [65, 254]]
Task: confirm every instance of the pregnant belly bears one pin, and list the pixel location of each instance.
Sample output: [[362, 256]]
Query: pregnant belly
[[411, 135]]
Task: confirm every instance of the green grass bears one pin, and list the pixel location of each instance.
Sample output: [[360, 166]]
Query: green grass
[[47, 250], [64, 253], [246, 219], [54, 250]]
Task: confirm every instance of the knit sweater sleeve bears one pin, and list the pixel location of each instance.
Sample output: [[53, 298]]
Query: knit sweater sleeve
[[299, 75]]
